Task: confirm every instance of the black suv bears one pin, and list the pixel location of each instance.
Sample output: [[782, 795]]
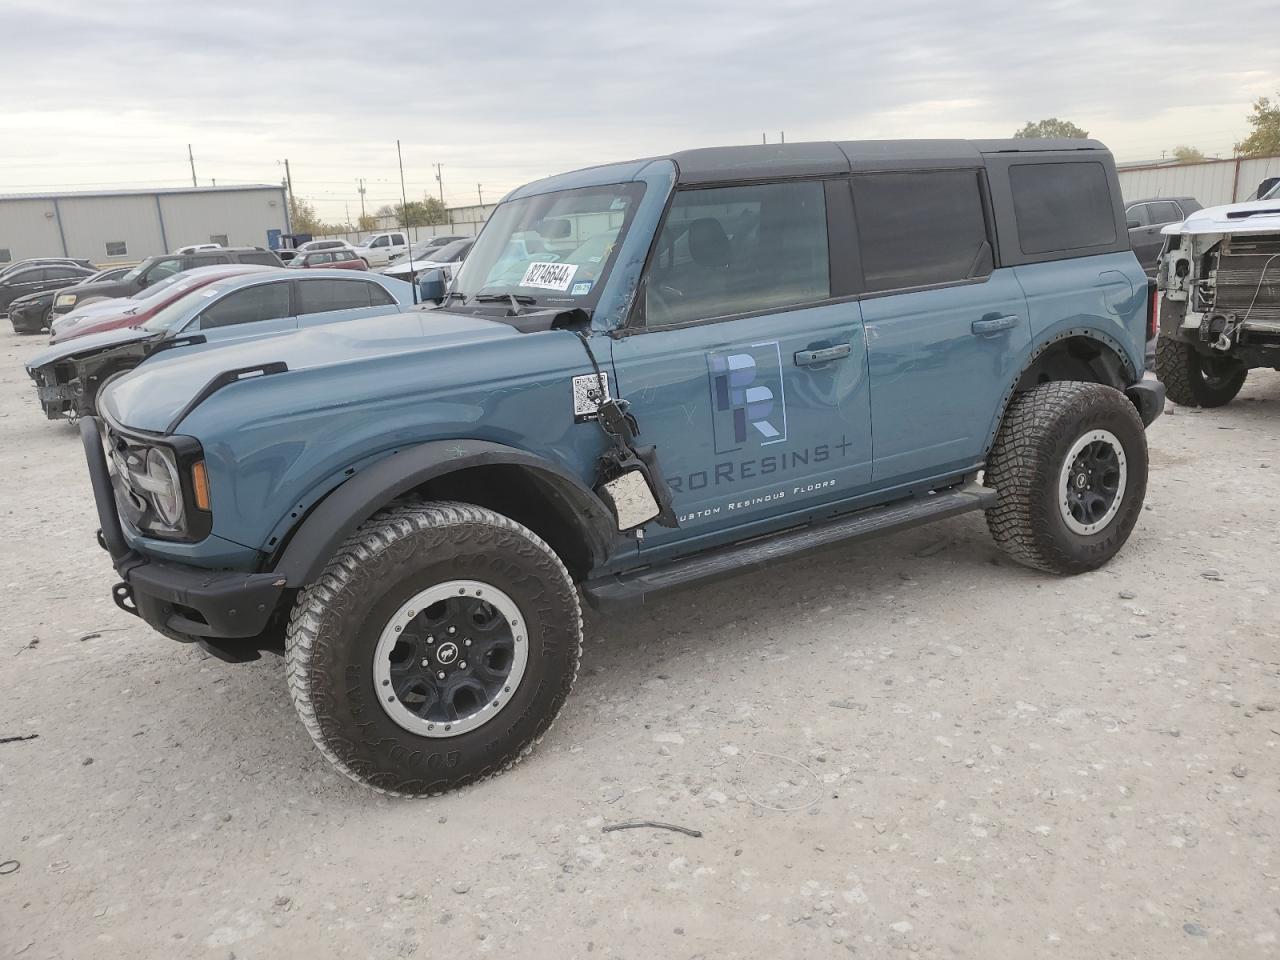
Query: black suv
[[154, 269], [1146, 218], [38, 277]]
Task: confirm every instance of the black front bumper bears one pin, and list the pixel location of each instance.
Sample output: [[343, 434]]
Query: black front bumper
[[1148, 397], [176, 599]]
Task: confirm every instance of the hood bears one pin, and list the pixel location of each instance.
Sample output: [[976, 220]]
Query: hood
[[1256, 216], [103, 288], [44, 296], [152, 396], [84, 346], [96, 317], [401, 267]]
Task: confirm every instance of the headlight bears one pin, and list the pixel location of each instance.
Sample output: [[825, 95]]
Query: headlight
[[66, 299], [161, 490], [165, 486]]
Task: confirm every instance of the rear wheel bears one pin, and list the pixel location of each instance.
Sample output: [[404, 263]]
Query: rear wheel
[[436, 648], [1070, 467], [1194, 380]]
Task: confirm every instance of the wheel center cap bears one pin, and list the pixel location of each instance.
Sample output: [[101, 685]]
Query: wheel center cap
[[446, 653], [1082, 480]]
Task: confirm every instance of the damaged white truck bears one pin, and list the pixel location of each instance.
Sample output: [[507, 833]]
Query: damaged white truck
[[1219, 303]]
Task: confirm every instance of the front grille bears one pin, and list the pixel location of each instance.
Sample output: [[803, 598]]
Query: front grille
[[1248, 278]]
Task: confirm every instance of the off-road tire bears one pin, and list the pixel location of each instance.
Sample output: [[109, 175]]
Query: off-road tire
[[1187, 383], [1025, 467], [337, 620]]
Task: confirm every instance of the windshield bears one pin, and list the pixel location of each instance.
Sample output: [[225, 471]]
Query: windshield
[[1273, 193], [136, 271], [185, 305], [555, 248]]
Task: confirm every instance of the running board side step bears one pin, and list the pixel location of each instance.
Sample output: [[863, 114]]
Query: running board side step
[[631, 588]]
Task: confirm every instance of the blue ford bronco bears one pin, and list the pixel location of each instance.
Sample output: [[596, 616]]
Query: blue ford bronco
[[645, 375]]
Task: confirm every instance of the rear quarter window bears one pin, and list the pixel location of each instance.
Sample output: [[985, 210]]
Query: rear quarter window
[[265, 259], [1062, 206]]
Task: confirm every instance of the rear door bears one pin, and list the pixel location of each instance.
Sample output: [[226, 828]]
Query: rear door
[[746, 363], [945, 329], [331, 300]]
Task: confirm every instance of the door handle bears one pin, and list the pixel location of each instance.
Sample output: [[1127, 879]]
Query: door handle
[[805, 358], [994, 324]]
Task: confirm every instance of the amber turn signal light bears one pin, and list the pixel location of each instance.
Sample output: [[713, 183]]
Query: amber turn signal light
[[200, 484]]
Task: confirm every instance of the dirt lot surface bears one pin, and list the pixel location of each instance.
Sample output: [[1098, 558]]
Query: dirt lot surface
[[908, 747]]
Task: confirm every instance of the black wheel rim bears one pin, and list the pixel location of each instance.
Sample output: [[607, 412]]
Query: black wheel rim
[[1092, 482], [450, 658]]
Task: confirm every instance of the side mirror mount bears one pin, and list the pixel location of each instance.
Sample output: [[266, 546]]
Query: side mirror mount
[[431, 287]]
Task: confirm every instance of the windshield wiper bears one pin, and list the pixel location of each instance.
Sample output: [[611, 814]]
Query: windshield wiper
[[516, 301]]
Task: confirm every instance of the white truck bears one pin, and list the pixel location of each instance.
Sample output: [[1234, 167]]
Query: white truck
[[1219, 283], [379, 248]]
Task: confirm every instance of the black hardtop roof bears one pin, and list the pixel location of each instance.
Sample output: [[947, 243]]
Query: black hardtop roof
[[759, 161]]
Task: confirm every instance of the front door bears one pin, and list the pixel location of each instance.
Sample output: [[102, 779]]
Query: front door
[[750, 381]]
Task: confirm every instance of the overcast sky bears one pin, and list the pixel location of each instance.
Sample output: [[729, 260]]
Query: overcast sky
[[110, 94]]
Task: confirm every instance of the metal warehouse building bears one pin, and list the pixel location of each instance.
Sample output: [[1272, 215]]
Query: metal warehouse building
[[124, 226]]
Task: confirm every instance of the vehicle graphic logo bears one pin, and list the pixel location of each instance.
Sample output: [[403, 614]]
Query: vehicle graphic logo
[[446, 653], [747, 396]]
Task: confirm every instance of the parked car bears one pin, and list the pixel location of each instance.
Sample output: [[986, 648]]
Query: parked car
[[38, 278], [31, 313], [378, 250], [104, 315], [311, 245], [424, 248], [154, 269], [198, 247], [446, 259], [328, 260], [1147, 218], [8, 268], [1219, 281], [69, 376], [704, 360]]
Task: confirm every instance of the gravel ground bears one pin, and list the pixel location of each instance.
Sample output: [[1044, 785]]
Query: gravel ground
[[910, 745]]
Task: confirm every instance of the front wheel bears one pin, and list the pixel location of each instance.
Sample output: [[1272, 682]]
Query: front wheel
[[1192, 379], [1070, 468], [435, 650]]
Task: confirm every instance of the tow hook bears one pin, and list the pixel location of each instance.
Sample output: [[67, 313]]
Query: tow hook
[[122, 594], [1219, 331]]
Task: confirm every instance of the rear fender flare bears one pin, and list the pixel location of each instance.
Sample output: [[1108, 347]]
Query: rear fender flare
[[1109, 342], [319, 535]]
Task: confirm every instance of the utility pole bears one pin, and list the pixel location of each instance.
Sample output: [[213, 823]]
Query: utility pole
[[288, 179], [480, 194], [439, 182], [764, 138], [348, 206], [783, 136], [360, 188], [191, 157]]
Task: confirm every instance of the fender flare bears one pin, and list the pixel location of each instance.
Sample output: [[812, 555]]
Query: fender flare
[[324, 529], [1106, 340]]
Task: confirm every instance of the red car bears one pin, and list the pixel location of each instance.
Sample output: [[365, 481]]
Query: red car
[[114, 314], [329, 260]]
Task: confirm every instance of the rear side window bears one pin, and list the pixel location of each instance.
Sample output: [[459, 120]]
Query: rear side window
[[918, 229], [1166, 211], [1062, 206], [264, 259], [268, 301], [733, 250], [379, 297], [321, 296], [208, 259]]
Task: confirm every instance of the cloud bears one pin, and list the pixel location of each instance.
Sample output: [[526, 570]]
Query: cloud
[[504, 92]]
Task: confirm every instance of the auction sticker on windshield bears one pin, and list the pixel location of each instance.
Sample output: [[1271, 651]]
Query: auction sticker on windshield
[[549, 276]]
